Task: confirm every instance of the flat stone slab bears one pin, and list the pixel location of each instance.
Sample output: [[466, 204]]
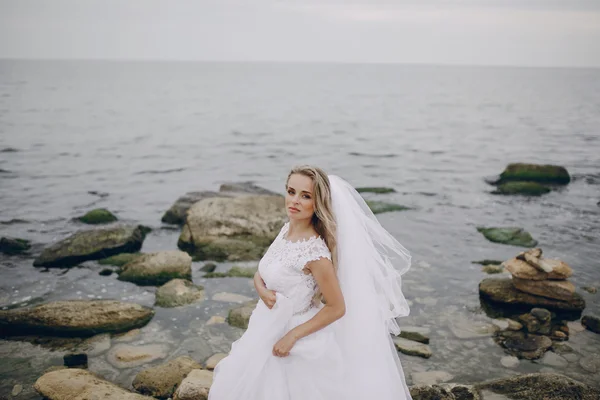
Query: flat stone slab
[[503, 291], [412, 348], [79, 384], [127, 356], [75, 318]]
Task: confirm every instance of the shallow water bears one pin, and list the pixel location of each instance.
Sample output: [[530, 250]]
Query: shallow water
[[146, 133]]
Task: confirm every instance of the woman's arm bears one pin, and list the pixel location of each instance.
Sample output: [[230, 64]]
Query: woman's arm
[[334, 309], [267, 296]]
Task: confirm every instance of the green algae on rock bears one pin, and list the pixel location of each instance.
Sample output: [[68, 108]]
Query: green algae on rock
[[118, 260], [92, 244], [551, 174], [379, 207], [511, 235], [98, 216], [375, 189], [522, 188], [13, 246]]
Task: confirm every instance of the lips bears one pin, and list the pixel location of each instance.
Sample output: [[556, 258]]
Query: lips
[[293, 209]]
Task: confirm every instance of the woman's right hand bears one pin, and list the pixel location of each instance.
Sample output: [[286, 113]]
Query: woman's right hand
[[268, 297]]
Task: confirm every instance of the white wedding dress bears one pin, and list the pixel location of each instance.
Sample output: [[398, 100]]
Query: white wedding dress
[[316, 368]]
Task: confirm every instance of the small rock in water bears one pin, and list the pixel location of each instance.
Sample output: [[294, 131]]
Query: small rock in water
[[76, 360], [509, 361], [17, 389], [591, 323], [554, 360], [212, 362], [431, 377], [208, 267], [231, 297], [216, 319], [590, 289], [412, 348], [493, 269]]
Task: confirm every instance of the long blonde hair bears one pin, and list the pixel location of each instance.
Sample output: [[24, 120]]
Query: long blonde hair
[[323, 219]]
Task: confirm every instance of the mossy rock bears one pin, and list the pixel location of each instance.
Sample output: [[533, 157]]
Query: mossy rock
[[379, 207], [157, 268], [14, 246], [178, 292], [522, 188], [120, 259], [98, 216], [92, 244], [236, 272], [375, 189], [540, 386], [487, 262], [511, 235], [240, 316], [492, 269], [552, 174], [106, 272]]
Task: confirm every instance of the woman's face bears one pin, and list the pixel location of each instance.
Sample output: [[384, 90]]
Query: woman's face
[[299, 200]]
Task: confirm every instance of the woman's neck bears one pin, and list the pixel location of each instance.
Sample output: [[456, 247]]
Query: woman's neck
[[299, 229]]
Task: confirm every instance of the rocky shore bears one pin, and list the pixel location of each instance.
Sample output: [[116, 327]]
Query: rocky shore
[[531, 314]]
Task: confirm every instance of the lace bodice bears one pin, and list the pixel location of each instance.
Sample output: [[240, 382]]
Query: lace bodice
[[282, 268]]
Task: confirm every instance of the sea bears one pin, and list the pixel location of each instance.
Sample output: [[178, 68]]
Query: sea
[[133, 136]]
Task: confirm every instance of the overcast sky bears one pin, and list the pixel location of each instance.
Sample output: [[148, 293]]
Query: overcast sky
[[488, 32]]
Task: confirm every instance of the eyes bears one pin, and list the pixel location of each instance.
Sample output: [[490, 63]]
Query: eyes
[[305, 196]]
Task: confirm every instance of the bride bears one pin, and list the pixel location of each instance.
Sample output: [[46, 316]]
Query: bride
[[330, 290]]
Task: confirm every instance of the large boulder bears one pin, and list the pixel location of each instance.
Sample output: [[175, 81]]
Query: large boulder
[[79, 384], [75, 318], [195, 386], [239, 228], [551, 174], [157, 268], [561, 290], [177, 214], [523, 270], [160, 381], [502, 291], [92, 244], [541, 386], [512, 236], [14, 246], [178, 292]]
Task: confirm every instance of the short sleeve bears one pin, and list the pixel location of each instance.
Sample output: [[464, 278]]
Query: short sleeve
[[315, 250]]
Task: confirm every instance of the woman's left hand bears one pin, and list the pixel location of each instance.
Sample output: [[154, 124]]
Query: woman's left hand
[[284, 345]]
